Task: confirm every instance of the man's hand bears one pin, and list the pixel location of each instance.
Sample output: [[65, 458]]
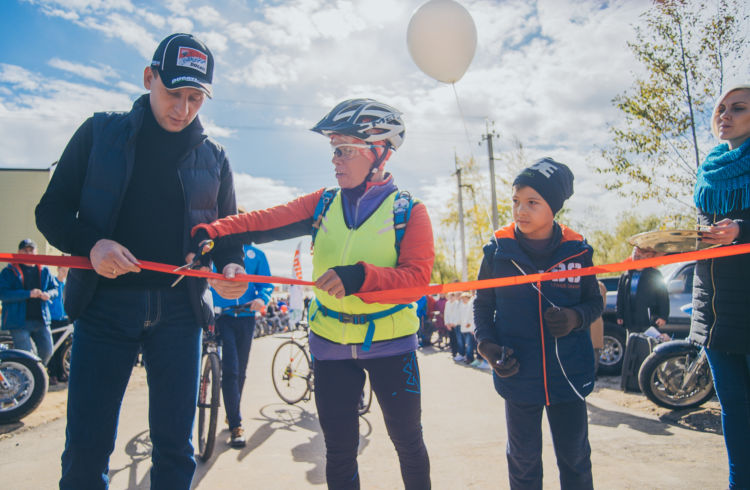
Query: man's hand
[[660, 322], [38, 293], [330, 282], [499, 357], [110, 259], [722, 233], [560, 321], [229, 289], [257, 305]]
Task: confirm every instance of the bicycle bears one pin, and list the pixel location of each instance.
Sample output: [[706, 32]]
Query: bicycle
[[293, 377], [209, 394]]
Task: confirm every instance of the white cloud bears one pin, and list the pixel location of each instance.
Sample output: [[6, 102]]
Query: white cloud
[[38, 118], [261, 192], [129, 88], [97, 74], [216, 131], [209, 16], [155, 20], [180, 24], [18, 77], [86, 5]]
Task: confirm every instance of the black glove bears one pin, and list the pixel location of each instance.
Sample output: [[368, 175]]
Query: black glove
[[499, 357], [352, 277], [560, 321]]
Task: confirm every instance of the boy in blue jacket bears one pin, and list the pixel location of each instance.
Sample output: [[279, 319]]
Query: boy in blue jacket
[[535, 336]]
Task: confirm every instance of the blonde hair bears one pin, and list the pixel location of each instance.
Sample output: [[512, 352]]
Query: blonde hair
[[734, 88]]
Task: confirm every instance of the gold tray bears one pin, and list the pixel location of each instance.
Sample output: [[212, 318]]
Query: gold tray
[[668, 241]]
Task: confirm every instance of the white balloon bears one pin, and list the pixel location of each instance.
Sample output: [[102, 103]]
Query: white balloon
[[442, 39]]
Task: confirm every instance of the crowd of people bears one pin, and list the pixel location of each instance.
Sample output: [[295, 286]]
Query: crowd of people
[[149, 184], [447, 322]]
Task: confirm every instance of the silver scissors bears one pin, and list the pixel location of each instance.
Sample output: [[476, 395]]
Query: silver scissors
[[205, 246]]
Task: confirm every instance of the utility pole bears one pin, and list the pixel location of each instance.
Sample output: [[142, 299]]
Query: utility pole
[[488, 136], [464, 273]]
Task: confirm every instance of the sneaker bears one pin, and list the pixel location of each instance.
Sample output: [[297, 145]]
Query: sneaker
[[238, 437], [475, 363], [483, 364], [459, 358]]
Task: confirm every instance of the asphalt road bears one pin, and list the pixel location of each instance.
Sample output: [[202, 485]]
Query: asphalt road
[[464, 427]]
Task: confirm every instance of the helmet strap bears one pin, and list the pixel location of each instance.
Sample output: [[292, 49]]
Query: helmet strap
[[379, 160]]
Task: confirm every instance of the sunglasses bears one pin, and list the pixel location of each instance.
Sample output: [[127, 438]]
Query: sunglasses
[[347, 151]]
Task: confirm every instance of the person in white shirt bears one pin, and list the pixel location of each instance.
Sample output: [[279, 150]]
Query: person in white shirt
[[453, 320], [466, 330]]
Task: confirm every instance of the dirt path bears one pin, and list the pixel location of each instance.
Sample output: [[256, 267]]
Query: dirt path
[[635, 444]]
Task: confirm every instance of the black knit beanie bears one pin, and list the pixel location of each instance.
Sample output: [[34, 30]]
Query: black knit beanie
[[552, 180]]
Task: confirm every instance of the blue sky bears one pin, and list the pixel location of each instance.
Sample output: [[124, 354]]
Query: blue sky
[[545, 72]]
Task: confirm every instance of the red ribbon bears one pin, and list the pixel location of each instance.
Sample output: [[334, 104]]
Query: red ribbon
[[396, 295]]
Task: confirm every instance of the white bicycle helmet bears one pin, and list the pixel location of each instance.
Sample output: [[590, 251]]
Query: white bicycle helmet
[[365, 119]]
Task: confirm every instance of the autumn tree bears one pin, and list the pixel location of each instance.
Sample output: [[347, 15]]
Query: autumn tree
[[613, 246], [687, 49], [477, 214]]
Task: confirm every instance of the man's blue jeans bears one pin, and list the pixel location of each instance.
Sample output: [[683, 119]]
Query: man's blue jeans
[[37, 331], [106, 341], [731, 374], [236, 339]]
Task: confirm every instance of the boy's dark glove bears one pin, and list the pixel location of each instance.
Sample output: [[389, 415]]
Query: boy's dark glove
[[561, 321], [499, 357]]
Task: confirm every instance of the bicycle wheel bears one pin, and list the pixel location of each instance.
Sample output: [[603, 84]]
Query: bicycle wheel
[[365, 400], [209, 391], [291, 372]]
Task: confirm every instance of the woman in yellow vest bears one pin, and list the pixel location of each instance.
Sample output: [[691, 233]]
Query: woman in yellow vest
[[367, 236]]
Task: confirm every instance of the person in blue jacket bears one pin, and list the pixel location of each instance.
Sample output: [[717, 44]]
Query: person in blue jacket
[[236, 324], [535, 336], [25, 291]]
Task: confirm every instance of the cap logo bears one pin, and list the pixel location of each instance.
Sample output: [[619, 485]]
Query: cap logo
[[185, 79], [192, 58], [545, 168]]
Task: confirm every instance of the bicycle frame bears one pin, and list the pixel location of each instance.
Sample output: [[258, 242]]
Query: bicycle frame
[[66, 331]]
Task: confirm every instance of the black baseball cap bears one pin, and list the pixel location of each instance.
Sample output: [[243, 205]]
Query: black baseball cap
[[25, 243], [184, 61]]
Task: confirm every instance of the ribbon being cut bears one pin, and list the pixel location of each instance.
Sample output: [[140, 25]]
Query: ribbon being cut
[[393, 295]]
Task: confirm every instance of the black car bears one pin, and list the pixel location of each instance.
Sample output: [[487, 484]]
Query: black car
[[679, 279]]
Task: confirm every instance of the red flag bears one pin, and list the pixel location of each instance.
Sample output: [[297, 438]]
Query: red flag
[[296, 265]]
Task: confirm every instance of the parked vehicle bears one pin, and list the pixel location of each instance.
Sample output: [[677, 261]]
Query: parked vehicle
[[679, 280], [677, 375], [23, 383]]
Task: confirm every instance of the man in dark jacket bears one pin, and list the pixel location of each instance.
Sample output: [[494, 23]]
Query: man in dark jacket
[[642, 297], [129, 187], [25, 291]]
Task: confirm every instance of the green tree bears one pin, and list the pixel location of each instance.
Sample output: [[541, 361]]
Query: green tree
[[687, 49]]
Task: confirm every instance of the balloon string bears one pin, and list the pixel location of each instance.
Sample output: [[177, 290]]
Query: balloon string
[[463, 120]]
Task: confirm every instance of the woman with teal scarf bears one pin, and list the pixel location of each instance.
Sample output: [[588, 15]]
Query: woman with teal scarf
[[721, 288]]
